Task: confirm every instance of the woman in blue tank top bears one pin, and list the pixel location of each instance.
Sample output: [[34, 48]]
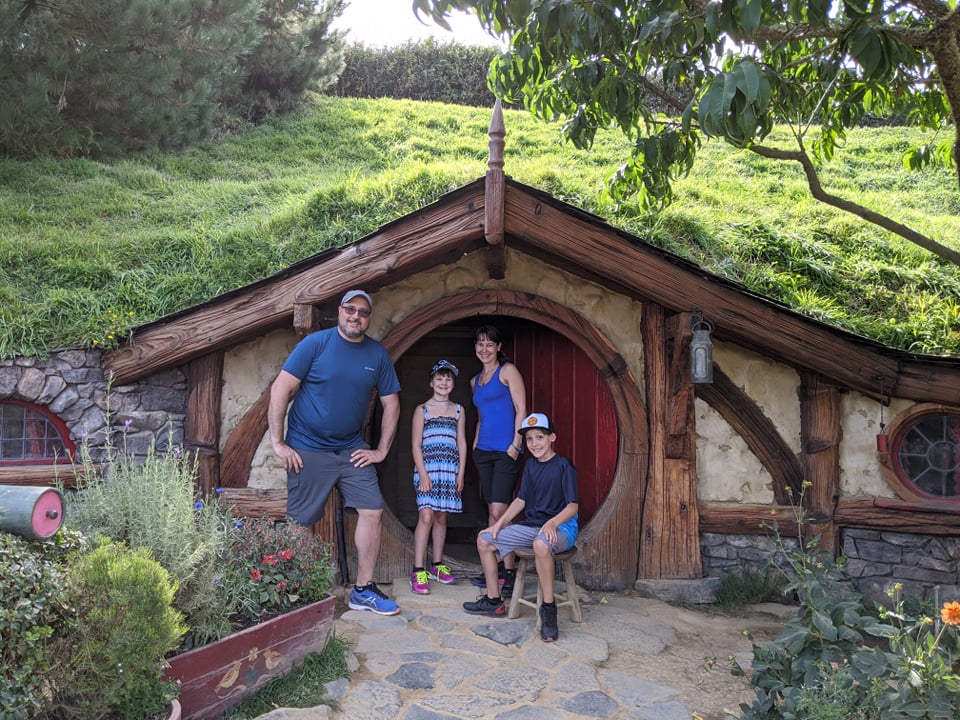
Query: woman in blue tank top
[[500, 399]]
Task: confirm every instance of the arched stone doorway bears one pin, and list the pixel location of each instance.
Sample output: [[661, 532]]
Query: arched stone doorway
[[610, 540]]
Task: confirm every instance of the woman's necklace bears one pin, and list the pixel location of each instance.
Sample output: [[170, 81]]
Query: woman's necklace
[[487, 375]]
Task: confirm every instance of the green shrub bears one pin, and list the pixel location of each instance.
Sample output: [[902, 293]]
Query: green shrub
[[113, 648], [422, 70], [152, 502], [837, 659], [748, 585], [32, 585]]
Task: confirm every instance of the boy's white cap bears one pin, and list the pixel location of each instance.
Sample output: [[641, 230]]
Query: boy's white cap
[[536, 421], [351, 294]]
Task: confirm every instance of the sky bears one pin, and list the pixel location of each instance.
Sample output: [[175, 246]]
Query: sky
[[379, 23]]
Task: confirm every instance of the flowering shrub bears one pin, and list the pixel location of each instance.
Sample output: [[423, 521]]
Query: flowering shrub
[[283, 565], [838, 660]]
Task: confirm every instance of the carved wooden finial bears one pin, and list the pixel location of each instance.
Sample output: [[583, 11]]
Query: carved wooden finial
[[497, 133], [494, 189]]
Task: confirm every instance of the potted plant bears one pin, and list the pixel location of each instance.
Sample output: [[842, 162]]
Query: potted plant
[[282, 579], [254, 593]]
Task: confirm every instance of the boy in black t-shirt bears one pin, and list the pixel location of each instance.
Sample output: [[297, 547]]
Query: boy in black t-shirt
[[548, 498]]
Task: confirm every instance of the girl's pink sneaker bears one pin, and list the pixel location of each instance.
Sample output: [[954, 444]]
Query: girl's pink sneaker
[[418, 582], [441, 573]]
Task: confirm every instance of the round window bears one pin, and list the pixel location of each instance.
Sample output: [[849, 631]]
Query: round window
[[925, 452]]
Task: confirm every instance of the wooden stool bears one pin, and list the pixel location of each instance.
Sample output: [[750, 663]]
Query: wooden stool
[[571, 597]]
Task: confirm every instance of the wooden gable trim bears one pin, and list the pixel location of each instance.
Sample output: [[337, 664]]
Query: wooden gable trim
[[602, 254], [440, 233]]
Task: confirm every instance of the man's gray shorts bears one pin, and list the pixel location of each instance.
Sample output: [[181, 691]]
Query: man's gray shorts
[[517, 537], [308, 490]]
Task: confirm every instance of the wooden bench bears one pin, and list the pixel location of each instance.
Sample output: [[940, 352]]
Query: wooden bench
[[570, 597]]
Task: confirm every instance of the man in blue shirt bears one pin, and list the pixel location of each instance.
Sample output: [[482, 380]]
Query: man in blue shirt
[[329, 377]]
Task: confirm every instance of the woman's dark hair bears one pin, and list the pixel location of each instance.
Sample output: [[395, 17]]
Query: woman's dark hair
[[493, 335]]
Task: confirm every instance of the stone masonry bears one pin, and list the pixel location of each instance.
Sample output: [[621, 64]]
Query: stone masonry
[[71, 384]]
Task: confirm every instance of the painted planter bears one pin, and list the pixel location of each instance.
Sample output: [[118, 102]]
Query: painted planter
[[217, 676]]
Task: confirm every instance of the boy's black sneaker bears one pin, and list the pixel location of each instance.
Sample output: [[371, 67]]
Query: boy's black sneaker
[[548, 623], [480, 581], [491, 607], [509, 579]]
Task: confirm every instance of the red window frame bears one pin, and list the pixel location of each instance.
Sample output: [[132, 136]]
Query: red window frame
[[59, 425]]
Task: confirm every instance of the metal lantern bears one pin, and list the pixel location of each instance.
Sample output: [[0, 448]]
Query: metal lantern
[[701, 350]]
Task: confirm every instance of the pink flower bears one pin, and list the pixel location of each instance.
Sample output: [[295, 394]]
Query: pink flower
[[285, 555], [255, 574], [269, 559], [281, 585]]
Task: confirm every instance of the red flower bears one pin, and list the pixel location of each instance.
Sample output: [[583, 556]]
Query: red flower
[[281, 585], [255, 574], [285, 555], [269, 559], [951, 613]]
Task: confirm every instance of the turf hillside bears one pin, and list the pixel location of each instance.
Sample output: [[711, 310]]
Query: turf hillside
[[89, 249]]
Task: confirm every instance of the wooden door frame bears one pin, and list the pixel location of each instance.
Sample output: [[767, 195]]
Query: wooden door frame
[[610, 541]]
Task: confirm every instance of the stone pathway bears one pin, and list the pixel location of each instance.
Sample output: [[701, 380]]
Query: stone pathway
[[435, 662]]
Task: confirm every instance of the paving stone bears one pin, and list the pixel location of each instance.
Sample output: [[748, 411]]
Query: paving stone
[[458, 669], [520, 683], [466, 706], [372, 700], [505, 633], [575, 677], [336, 689], [591, 704], [435, 624], [405, 640], [381, 663], [529, 712], [475, 645], [632, 691], [427, 657], [419, 713], [586, 647], [413, 676]]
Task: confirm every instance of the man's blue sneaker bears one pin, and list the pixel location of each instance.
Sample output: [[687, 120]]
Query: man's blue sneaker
[[371, 598]]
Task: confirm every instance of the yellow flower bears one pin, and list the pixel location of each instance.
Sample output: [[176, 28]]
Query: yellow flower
[[951, 613]]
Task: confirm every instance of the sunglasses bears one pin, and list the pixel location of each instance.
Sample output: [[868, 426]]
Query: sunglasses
[[353, 310]]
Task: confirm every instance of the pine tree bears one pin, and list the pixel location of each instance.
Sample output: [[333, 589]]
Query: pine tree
[[297, 52], [112, 75]]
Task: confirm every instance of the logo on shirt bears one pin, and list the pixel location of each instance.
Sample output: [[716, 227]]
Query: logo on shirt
[[370, 369]]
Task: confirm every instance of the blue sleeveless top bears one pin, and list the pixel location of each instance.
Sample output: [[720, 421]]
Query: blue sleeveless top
[[498, 429]]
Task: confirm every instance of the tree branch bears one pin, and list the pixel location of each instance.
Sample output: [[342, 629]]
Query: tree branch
[[816, 189]]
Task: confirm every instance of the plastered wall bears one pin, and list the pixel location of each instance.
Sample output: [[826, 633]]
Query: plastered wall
[[727, 470]]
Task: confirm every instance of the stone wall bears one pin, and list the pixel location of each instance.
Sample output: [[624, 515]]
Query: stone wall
[[71, 384], [927, 567]]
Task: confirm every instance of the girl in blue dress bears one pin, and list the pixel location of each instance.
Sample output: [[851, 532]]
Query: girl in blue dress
[[439, 456]]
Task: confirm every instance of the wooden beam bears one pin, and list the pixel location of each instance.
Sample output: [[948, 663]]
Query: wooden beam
[[494, 185], [65, 474], [670, 532], [820, 456], [438, 233], [865, 513], [201, 433]]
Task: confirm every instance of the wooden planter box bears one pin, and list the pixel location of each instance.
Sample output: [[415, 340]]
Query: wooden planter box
[[217, 676]]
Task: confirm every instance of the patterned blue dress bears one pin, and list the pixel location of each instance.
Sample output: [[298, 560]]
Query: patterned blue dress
[[441, 458]]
